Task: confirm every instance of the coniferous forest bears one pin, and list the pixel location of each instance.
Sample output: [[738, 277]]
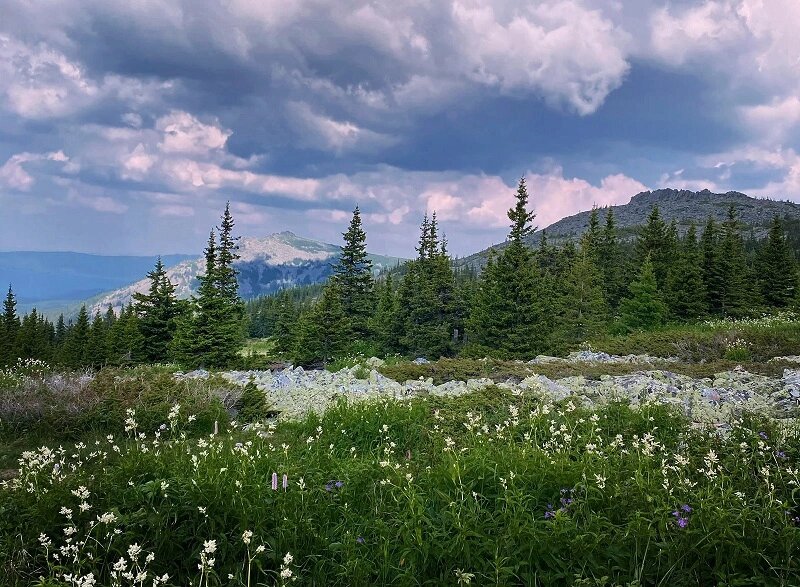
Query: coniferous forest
[[523, 302]]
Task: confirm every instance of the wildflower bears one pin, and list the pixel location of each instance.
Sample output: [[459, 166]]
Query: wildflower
[[134, 550], [360, 540], [601, 481], [260, 548], [210, 546], [274, 481], [463, 578], [763, 435], [246, 536]]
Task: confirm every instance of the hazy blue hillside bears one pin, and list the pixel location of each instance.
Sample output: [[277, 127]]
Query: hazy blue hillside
[[52, 276]]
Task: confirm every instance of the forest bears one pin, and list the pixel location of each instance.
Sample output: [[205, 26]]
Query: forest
[[522, 303]]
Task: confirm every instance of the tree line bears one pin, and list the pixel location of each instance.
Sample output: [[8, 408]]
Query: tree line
[[526, 302], [208, 329]]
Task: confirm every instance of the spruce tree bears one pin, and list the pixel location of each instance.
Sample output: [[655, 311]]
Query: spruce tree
[[686, 296], [8, 329], [737, 290], [230, 328], [76, 347], [426, 300], [584, 309], [97, 349], [610, 262], [353, 274], [322, 330], [653, 240], [509, 316], [157, 311], [643, 309], [384, 322], [713, 278], [777, 273]]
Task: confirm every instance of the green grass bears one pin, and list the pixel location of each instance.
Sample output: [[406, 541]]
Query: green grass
[[498, 371], [512, 490]]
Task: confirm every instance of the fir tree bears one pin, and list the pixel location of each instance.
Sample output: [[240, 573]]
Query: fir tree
[[97, 348], [610, 261], [509, 312], [353, 273], [157, 311], [8, 329], [584, 309], [737, 291], [686, 296], [322, 335], [643, 309], [777, 274], [384, 322], [426, 302], [230, 328], [76, 347], [653, 240], [713, 279]]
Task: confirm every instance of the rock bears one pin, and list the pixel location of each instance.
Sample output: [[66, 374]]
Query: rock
[[420, 361], [374, 362]]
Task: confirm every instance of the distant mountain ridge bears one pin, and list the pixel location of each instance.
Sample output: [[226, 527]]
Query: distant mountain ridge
[[39, 277], [684, 206], [266, 265]]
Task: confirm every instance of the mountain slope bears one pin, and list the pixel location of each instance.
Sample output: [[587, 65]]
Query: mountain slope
[[682, 205], [38, 277], [265, 266]]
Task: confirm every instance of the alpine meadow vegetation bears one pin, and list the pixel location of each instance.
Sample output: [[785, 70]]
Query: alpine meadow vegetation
[[612, 411]]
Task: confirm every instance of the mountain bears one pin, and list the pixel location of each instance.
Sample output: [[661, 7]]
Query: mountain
[[682, 205], [45, 278], [265, 265]]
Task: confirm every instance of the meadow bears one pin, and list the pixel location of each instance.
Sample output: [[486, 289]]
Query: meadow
[[136, 477]]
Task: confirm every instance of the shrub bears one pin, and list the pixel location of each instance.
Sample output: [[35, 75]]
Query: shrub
[[252, 405]]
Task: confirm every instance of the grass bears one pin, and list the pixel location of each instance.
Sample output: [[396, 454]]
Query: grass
[[494, 488], [498, 370]]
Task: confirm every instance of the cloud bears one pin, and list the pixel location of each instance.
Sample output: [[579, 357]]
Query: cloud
[[14, 175], [328, 134], [183, 133], [39, 82]]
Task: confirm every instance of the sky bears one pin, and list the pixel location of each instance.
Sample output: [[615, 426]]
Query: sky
[[125, 125]]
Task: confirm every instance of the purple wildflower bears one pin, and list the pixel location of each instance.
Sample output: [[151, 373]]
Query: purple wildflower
[[285, 482], [274, 481], [549, 515], [686, 508], [763, 435], [360, 540], [780, 454], [339, 484], [683, 522], [328, 487]]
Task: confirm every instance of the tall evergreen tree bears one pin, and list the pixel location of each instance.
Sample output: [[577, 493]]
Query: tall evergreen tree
[[508, 312], [384, 323], [686, 296], [76, 347], [322, 330], [653, 240], [643, 309], [9, 328], [157, 311], [230, 329], [737, 292], [426, 301], [713, 278], [610, 262], [777, 273], [97, 348], [584, 310], [353, 274]]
